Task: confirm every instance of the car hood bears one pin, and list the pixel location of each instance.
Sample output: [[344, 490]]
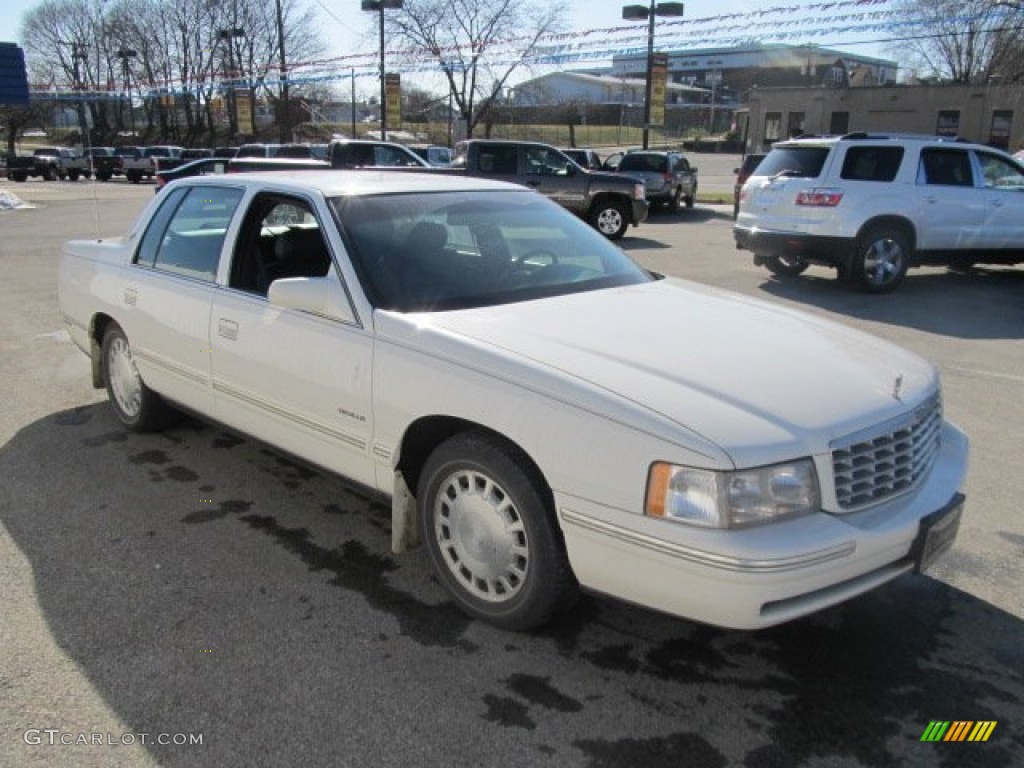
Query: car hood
[[757, 380]]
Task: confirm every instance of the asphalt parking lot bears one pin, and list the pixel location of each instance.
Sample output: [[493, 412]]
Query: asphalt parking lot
[[160, 588]]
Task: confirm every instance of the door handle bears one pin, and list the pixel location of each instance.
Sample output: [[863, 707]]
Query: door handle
[[227, 329]]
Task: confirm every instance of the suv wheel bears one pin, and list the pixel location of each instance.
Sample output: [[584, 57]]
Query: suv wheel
[[785, 266], [881, 259]]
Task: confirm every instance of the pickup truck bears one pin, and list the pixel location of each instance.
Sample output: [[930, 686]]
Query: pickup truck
[[106, 162], [44, 162], [607, 201], [149, 161], [509, 378]]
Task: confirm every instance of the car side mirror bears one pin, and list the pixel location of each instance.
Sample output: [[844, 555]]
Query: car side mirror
[[317, 295]]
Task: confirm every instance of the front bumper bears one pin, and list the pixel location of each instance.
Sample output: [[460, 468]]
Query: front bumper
[[640, 211], [761, 576], [818, 249]]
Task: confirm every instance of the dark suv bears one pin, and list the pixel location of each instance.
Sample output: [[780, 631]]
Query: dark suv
[[747, 167], [668, 176]]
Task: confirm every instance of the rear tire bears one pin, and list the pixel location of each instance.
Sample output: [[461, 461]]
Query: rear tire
[[136, 406], [691, 199], [490, 530], [881, 259]]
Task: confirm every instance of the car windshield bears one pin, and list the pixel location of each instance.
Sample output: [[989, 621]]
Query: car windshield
[[455, 250], [805, 162]]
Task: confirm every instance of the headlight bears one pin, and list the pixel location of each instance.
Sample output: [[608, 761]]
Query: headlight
[[732, 499]]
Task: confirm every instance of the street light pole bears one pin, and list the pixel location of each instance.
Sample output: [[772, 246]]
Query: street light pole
[[633, 13], [286, 123], [125, 54], [378, 6]]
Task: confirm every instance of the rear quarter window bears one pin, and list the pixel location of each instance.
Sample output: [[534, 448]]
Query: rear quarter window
[[804, 162], [872, 163]]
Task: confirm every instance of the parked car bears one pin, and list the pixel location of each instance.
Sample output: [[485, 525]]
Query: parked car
[[195, 153], [201, 167], [370, 153], [871, 205], [257, 150], [750, 162], [587, 159], [511, 380], [668, 176], [439, 157]]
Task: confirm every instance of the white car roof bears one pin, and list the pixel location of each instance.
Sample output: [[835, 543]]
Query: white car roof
[[334, 183]]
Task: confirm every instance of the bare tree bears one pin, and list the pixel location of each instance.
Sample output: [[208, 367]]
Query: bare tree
[[962, 41], [476, 44]]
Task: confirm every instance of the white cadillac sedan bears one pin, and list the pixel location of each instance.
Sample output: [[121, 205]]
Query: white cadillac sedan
[[544, 413]]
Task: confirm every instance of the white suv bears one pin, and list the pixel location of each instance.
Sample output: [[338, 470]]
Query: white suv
[[872, 205]]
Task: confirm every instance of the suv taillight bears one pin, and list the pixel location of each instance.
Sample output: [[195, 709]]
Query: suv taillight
[[820, 197]]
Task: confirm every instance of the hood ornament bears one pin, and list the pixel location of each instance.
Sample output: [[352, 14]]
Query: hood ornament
[[897, 386]]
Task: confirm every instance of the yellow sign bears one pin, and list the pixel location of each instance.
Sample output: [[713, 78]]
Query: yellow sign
[[243, 107], [393, 89], [659, 78]]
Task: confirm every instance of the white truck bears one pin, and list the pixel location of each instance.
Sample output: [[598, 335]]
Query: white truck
[[149, 161]]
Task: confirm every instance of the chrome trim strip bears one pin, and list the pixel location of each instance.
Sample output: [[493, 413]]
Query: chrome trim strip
[[167, 365], [708, 559], [291, 416], [382, 451]]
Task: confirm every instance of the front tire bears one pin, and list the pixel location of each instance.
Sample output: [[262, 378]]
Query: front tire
[[489, 527], [136, 406], [881, 259], [610, 218]]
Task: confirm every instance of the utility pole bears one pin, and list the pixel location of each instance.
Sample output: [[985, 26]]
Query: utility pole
[[286, 123]]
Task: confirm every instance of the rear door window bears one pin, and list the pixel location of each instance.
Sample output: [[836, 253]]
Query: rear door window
[[872, 163]]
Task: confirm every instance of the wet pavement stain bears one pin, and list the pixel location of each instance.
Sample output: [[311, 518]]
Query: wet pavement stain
[[538, 690], [507, 712], [224, 509], [226, 441], [357, 569], [675, 751], [1013, 538], [690, 659], [181, 474], [150, 457], [98, 441], [614, 658], [74, 418]]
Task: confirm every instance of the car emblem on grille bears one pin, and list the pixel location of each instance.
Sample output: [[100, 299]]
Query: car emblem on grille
[[897, 386]]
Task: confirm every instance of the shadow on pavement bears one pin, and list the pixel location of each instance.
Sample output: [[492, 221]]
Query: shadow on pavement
[[205, 584], [985, 303]]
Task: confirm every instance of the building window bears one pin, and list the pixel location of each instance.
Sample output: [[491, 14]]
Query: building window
[[948, 123], [772, 126], [839, 123], [796, 124], [999, 133]]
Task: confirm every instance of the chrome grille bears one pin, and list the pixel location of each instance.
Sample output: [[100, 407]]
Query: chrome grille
[[875, 465]]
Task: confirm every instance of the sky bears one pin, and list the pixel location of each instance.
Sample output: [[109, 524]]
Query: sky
[[834, 25]]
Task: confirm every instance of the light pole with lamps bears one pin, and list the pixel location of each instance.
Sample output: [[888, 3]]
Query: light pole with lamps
[[378, 6], [229, 35], [633, 13], [125, 54]]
